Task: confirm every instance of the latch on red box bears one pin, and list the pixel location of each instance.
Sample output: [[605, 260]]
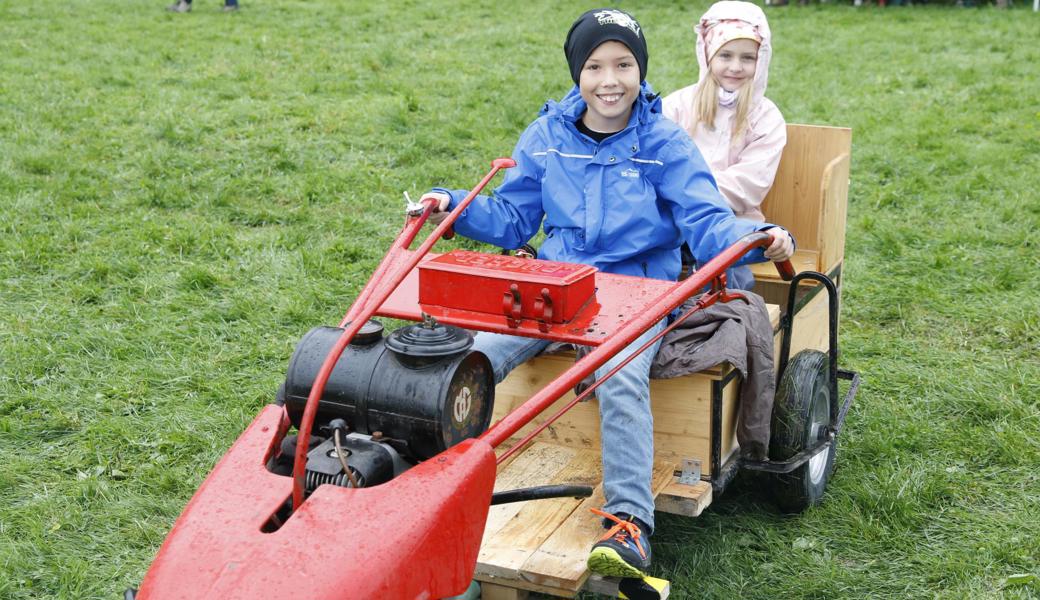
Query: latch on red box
[[517, 288]]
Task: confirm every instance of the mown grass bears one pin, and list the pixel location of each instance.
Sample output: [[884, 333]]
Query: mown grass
[[183, 196]]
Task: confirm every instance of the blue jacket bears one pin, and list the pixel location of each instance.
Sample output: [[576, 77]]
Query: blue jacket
[[624, 205]]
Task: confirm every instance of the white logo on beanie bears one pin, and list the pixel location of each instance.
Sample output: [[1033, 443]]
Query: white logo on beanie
[[616, 17]]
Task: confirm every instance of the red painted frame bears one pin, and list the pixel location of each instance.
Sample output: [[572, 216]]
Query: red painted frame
[[416, 536]]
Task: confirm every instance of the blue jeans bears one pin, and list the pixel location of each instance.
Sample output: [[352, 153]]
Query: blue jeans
[[740, 278], [626, 424]]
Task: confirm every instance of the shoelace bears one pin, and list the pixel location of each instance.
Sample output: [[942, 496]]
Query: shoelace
[[620, 530]]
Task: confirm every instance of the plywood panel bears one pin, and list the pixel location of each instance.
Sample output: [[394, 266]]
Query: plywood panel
[[797, 200], [560, 561], [835, 190], [519, 528], [810, 328], [681, 409]]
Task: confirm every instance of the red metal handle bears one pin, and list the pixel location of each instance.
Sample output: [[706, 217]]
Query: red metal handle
[[785, 268], [390, 273], [432, 207]]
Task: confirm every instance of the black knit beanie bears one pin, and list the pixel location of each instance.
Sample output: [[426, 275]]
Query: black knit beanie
[[602, 25]]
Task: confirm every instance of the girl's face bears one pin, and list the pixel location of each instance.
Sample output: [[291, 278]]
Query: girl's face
[[609, 84], [735, 63]]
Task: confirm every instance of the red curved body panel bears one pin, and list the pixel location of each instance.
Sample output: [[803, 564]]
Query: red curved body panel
[[416, 536]]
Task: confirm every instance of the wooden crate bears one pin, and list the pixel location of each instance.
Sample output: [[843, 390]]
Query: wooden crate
[[681, 409]]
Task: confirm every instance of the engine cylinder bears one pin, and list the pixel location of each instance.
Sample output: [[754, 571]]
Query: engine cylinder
[[424, 386]]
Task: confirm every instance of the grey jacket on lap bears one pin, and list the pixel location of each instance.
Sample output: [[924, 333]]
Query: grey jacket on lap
[[738, 333]]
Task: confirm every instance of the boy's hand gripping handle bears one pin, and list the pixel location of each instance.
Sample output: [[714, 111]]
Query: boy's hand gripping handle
[[431, 207]]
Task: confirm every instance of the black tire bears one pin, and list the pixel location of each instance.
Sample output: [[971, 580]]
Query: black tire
[[801, 416], [279, 396]]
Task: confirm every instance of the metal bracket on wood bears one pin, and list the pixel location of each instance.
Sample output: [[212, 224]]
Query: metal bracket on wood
[[691, 471]]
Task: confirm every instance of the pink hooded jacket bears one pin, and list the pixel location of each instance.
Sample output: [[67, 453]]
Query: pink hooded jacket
[[745, 170]]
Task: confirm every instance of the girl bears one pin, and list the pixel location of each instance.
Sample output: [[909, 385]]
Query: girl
[[739, 131]]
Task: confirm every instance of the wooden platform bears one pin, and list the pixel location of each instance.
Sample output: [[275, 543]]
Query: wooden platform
[[542, 545]]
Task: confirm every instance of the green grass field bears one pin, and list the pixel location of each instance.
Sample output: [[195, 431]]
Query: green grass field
[[182, 197]]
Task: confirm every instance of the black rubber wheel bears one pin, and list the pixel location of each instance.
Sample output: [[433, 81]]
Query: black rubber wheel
[[279, 396], [801, 416]]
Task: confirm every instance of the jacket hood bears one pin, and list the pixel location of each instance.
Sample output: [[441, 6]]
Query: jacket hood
[[739, 11], [572, 106]]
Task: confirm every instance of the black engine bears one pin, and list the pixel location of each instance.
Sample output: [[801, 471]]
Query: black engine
[[389, 402]]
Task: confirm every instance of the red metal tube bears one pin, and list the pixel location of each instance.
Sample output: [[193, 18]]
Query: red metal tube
[[392, 270], [404, 239]]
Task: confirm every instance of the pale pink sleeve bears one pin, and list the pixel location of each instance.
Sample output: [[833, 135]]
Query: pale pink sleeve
[[747, 180], [678, 106]]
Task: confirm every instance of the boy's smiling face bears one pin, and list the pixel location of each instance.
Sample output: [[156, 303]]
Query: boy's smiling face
[[609, 84]]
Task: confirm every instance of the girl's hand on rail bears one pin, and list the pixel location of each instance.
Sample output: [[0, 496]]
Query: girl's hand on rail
[[782, 247], [440, 208]]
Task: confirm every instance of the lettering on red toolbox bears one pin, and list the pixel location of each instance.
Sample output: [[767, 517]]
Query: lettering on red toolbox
[[478, 282]]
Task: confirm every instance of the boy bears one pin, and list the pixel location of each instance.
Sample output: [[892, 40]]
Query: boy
[[619, 188]]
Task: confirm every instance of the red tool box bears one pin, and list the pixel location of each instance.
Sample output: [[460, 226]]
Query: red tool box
[[518, 288]]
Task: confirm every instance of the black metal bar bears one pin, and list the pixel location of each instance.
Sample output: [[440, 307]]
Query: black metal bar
[[835, 276], [720, 482], [794, 307], [716, 428], [541, 492], [786, 466], [854, 378], [832, 334], [717, 388]]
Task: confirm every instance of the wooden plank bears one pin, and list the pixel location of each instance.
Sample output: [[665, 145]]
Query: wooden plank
[[490, 591], [560, 562], [504, 550], [681, 409], [682, 499], [804, 259], [796, 200], [531, 467]]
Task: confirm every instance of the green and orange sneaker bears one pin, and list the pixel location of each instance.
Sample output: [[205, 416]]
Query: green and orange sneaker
[[624, 551]]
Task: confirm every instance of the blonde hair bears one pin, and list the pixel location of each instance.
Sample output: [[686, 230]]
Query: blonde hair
[[706, 101]]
